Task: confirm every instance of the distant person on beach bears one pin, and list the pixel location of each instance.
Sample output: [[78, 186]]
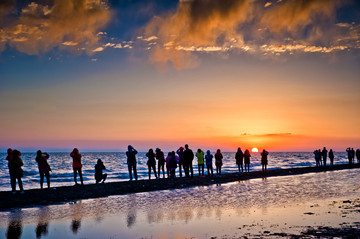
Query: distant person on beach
[[353, 155], [151, 163], [317, 156], [99, 175], [131, 161], [209, 164], [239, 157], [44, 167], [324, 153], [180, 152], [173, 161], [331, 157], [218, 161], [358, 155], [161, 161], [15, 163], [167, 164], [247, 156], [188, 158], [320, 157], [350, 155], [76, 156], [200, 156], [264, 160]]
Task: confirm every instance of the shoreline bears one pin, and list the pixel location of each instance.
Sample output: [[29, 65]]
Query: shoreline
[[37, 197]]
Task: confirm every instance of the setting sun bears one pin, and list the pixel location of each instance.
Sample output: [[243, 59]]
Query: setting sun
[[254, 150]]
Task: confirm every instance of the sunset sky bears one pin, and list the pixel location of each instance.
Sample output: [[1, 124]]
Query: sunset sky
[[98, 75]]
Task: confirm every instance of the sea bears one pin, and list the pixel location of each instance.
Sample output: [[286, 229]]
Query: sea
[[117, 170], [270, 207]]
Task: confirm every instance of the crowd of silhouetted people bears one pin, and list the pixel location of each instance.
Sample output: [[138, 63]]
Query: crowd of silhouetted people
[[181, 160], [322, 155]]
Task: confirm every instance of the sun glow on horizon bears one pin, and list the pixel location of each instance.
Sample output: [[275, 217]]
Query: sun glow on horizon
[[254, 150]]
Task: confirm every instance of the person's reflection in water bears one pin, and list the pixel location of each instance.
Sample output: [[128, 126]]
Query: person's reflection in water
[[218, 213], [77, 214], [75, 225], [15, 225], [42, 226], [131, 216]]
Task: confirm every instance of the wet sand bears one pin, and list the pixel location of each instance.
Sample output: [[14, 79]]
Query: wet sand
[[340, 208], [36, 197]]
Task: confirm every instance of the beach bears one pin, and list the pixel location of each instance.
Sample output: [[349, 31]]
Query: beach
[[117, 170], [293, 204], [69, 193]]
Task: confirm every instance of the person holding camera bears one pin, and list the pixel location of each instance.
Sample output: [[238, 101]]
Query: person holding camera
[[44, 167]]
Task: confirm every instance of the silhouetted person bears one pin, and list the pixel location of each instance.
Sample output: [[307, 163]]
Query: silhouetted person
[[209, 164], [316, 158], [358, 155], [239, 157], [44, 167], [200, 156], [264, 160], [16, 173], [331, 157], [320, 157], [317, 155], [131, 161], [180, 152], [151, 163], [161, 161], [353, 155], [173, 164], [99, 175], [247, 160], [76, 156], [167, 164], [218, 161], [324, 155], [188, 158], [350, 155]]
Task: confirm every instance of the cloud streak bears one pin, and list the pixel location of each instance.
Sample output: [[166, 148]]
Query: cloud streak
[[65, 24], [246, 26]]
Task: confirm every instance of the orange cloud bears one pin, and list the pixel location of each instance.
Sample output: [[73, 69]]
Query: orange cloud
[[5, 7], [245, 26], [195, 23], [294, 15], [41, 28]]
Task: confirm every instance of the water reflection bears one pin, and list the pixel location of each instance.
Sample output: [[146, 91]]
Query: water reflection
[[14, 229], [185, 215], [75, 226], [77, 215], [210, 207], [131, 214], [43, 222]]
